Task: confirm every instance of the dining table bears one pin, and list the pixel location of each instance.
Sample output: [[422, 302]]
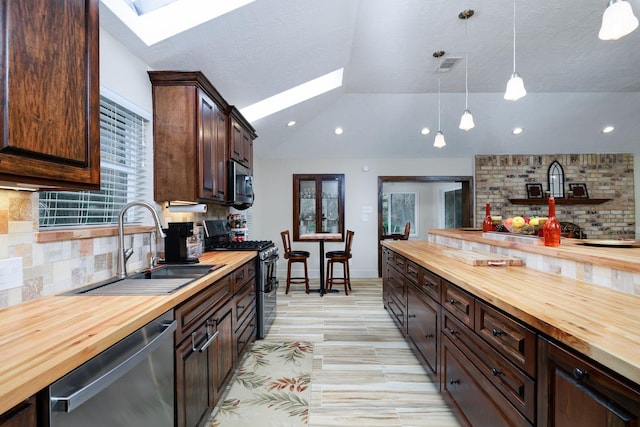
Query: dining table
[[321, 238]]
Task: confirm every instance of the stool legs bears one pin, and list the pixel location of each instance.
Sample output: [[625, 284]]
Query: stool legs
[[304, 279], [345, 279]]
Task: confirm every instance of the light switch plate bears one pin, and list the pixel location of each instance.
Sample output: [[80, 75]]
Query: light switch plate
[[10, 273]]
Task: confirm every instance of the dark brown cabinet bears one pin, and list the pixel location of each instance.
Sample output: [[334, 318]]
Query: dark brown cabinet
[[50, 89], [241, 139], [22, 415], [573, 391], [189, 138], [422, 326]]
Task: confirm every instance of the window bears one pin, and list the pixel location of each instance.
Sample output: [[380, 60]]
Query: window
[[123, 165], [397, 210]]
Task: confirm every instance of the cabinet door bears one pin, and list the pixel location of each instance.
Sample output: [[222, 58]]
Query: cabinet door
[[22, 415], [207, 121], [220, 157], [50, 90], [236, 146], [422, 325], [572, 391], [193, 378], [222, 350]]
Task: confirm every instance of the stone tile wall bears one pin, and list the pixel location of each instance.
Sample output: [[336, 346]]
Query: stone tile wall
[[607, 176], [51, 268]]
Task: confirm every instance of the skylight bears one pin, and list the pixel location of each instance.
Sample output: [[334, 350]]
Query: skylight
[[293, 96], [155, 20]]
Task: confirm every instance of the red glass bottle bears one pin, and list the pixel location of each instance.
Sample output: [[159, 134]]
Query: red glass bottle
[[487, 224], [552, 229]]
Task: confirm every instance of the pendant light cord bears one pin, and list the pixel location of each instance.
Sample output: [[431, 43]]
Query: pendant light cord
[[439, 128], [466, 67], [514, 36]]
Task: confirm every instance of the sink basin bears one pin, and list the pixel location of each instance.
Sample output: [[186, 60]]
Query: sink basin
[[161, 281]]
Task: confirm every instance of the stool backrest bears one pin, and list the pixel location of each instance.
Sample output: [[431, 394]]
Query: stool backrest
[[407, 230], [286, 243], [347, 242]]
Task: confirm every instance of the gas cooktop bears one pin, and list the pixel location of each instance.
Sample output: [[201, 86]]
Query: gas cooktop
[[246, 245]]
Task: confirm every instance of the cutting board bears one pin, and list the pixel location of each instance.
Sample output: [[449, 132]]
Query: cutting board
[[484, 259]]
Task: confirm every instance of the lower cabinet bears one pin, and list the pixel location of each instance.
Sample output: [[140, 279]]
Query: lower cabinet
[[573, 391], [21, 415], [422, 324]]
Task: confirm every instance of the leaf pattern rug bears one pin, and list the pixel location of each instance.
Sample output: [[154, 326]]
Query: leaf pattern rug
[[271, 388]]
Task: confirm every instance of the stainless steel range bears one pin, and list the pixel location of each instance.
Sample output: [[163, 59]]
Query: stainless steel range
[[218, 238]]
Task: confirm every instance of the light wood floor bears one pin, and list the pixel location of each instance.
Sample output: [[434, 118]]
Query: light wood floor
[[364, 372]]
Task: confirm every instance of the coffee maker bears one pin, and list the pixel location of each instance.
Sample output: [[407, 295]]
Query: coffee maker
[[176, 248]]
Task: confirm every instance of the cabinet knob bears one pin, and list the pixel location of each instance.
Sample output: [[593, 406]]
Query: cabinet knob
[[452, 331], [496, 372], [452, 301], [496, 332], [579, 374]]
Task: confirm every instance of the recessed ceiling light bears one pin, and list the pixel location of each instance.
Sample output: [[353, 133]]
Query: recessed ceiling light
[[425, 131], [291, 123], [338, 131], [517, 131], [608, 129]]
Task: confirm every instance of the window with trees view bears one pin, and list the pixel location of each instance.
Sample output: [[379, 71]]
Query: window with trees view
[[397, 210]]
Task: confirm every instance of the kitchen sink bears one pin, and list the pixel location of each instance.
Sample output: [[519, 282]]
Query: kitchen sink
[[163, 280]]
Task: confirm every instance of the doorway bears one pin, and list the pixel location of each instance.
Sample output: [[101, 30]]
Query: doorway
[[449, 199]]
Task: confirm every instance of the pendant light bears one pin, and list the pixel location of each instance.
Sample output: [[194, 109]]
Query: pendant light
[[515, 85], [466, 121], [618, 20], [439, 142]]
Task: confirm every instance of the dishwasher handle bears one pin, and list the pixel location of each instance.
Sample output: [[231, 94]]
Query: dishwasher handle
[[77, 397]]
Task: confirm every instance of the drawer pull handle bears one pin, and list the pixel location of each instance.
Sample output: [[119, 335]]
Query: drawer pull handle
[[579, 374], [240, 307], [453, 331], [428, 336], [496, 332], [411, 316], [496, 372], [454, 382]]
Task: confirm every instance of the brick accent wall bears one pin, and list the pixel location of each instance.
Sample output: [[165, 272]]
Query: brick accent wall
[[607, 176]]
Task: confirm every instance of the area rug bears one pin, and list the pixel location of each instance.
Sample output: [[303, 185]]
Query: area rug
[[271, 388]]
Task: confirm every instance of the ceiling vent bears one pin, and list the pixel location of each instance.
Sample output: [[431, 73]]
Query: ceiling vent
[[447, 64]]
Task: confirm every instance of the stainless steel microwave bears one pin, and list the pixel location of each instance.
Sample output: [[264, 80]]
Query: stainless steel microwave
[[240, 185]]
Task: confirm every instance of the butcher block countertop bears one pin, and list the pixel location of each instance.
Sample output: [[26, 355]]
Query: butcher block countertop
[[600, 323], [612, 257], [43, 339]]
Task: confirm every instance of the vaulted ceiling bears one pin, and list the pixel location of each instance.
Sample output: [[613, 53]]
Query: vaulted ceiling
[[576, 82]]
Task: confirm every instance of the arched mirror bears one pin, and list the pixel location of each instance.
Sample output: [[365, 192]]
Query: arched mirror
[[556, 180]]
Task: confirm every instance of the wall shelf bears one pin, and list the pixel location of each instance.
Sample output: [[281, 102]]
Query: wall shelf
[[561, 201]]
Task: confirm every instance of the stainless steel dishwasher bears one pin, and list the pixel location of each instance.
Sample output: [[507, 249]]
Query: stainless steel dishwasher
[[129, 384]]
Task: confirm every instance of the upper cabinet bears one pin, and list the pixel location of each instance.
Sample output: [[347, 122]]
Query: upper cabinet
[[50, 89], [318, 204], [189, 138], [241, 139], [195, 132]]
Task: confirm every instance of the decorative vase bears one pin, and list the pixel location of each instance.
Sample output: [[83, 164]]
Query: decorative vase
[[552, 228], [487, 224]]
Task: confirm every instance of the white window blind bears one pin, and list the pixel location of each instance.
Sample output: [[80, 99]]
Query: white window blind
[[123, 166]]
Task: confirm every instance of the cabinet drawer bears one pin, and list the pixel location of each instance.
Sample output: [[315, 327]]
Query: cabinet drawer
[[514, 384], [245, 302], [473, 394], [423, 326], [243, 274], [246, 333], [399, 262], [193, 312], [508, 336], [412, 272], [398, 312], [429, 283], [458, 302]]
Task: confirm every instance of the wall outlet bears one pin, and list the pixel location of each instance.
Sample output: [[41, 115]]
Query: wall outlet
[[10, 273]]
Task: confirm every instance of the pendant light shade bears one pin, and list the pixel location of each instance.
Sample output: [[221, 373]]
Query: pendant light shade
[[515, 88], [466, 121], [515, 85], [439, 141], [618, 20]]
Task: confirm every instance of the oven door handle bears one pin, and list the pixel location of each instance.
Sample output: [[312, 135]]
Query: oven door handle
[[78, 396]]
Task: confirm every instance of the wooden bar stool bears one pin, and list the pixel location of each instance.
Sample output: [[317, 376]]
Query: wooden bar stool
[[291, 257], [341, 257]]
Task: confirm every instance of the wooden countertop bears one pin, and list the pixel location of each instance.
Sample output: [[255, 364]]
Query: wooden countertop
[[42, 340], [601, 323], [627, 259]]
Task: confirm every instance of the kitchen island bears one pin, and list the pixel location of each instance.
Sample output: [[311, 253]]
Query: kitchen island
[[511, 321], [44, 339]]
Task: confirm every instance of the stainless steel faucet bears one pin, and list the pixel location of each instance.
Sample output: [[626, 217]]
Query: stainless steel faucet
[[124, 254]]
